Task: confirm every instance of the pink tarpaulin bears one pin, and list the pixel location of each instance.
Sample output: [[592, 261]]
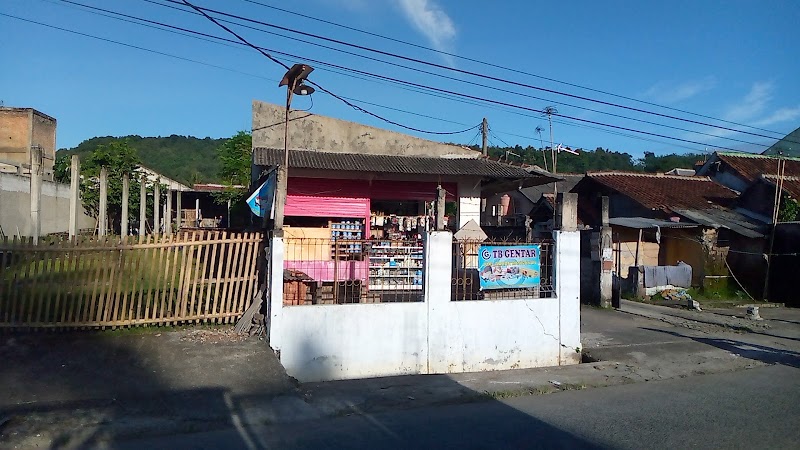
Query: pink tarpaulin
[[315, 206]]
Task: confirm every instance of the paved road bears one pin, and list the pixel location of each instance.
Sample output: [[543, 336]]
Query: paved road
[[756, 408]]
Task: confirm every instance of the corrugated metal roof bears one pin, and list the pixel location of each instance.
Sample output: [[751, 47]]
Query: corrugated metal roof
[[644, 222], [724, 218], [666, 192], [354, 162]]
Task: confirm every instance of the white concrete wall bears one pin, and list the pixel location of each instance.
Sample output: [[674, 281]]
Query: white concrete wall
[[15, 207], [568, 288], [469, 202], [327, 342], [332, 342]]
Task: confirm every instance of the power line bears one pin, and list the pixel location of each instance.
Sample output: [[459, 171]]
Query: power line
[[346, 102], [471, 73], [134, 46], [374, 59], [497, 66], [407, 83]]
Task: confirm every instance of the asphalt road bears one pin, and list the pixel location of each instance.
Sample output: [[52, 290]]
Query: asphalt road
[[756, 408]]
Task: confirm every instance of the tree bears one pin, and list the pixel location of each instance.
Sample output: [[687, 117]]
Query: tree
[[119, 158], [235, 156]]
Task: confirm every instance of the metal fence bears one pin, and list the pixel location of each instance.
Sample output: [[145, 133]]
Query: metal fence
[[467, 273], [339, 271]]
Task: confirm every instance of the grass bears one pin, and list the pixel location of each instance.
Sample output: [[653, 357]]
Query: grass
[[534, 390]]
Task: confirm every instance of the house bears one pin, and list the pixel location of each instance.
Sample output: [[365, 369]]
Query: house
[[738, 171], [364, 283], [659, 219], [20, 130]]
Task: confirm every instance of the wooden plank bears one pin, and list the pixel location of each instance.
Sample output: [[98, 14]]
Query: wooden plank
[[28, 275], [105, 276], [110, 268], [124, 286], [16, 248], [207, 287], [178, 303], [235, 293], [142, 308], [198, 274], [58, 288], [230, 257], [76, 265], [113, 316], [44, 285], [96, 261], [163, 272], [186, 278], [220, 265], [240, 289], [173, 269], [247, 270]]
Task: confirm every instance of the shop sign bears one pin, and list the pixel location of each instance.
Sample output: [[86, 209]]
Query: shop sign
[[505, 267]]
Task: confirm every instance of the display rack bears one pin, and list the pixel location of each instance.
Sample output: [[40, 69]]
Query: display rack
[[345, 239], [395, 266]]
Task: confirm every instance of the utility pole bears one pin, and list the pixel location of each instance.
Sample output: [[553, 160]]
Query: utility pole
[[485, 135], [293, 80], [549, 111], [538, 131], [776, 206]]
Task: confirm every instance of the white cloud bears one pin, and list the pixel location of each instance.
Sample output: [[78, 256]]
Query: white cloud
[[753, 104], [779, 116], [431, 20], [666, 93]]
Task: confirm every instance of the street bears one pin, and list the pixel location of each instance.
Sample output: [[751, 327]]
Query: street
[[755, 408]]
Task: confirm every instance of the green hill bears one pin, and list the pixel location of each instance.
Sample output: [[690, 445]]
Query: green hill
[[184, 158]]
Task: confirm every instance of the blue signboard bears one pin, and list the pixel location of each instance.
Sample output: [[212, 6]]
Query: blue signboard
[[512, 266]]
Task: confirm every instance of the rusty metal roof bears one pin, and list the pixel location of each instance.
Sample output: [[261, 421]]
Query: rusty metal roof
[[356, 162], [666, 192]]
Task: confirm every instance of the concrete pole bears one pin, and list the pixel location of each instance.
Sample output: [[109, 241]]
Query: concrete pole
[[157, 207], [36, 191], [197, 217], [168, 214], [102, 215], [143, 206], [74, 195], [606, 258], [178, 211], [126, 186], [440, 201]]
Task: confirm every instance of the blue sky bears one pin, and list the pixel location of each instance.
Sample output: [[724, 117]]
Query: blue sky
[[729, 59]]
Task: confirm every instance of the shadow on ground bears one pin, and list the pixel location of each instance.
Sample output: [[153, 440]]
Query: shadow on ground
[[79, 390], [183, 390], [765, 354]]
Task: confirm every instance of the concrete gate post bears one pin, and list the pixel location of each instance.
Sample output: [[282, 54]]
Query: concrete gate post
[[567, 272]]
